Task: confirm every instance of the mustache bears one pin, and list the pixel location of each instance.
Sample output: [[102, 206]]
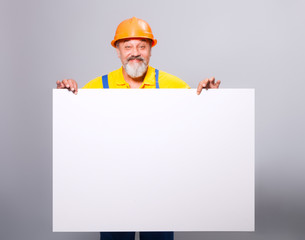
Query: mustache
[[135, 57]]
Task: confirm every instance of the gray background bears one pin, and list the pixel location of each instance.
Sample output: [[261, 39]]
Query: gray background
[[246, 44]]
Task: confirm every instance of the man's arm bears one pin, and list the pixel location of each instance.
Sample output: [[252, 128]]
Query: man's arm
[[69, 84]]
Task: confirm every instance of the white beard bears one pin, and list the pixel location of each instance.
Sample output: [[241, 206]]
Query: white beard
[[136, 70]]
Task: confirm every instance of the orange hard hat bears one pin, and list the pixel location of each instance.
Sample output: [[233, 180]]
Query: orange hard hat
[[133, 28]]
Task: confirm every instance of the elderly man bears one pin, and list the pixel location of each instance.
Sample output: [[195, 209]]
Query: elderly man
[[133, 41]]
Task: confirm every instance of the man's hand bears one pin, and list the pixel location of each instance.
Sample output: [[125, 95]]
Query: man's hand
[[70, 84], [207, 83]]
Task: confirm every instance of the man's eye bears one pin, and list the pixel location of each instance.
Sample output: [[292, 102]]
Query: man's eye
[[142, 47], [127, 47]]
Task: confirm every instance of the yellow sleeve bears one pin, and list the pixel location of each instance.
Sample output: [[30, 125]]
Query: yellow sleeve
[[95, 83], [167, 80]]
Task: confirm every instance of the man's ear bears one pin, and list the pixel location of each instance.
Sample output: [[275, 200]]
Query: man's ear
[[118, 51]]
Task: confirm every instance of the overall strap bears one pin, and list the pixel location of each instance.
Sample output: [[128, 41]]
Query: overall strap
[[157, 78], [106, 85], [105, 81]]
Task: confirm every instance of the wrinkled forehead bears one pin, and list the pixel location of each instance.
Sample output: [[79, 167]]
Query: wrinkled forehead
[[135, 41]]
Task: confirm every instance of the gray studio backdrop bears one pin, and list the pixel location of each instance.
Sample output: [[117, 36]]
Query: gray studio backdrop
[[246, 44]]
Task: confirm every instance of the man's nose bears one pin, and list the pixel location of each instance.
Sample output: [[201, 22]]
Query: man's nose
[[135, 52]]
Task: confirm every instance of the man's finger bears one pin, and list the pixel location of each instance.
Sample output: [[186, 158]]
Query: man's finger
[[60, 85], [201, 85], [71, 85], [218, 83], [212, 80], [76, 87], [65, 82]]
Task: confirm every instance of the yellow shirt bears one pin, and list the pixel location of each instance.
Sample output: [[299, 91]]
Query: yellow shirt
[[116, 80]]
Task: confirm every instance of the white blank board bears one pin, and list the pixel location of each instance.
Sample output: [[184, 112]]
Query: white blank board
[[153, 160]]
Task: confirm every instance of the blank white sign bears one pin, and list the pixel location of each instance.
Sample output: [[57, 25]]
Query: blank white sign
[[153, 160]]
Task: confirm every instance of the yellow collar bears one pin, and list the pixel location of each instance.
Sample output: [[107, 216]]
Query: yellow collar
[[148, 80]]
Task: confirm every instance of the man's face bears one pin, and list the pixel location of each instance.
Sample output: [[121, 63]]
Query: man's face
[[135, 55]]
